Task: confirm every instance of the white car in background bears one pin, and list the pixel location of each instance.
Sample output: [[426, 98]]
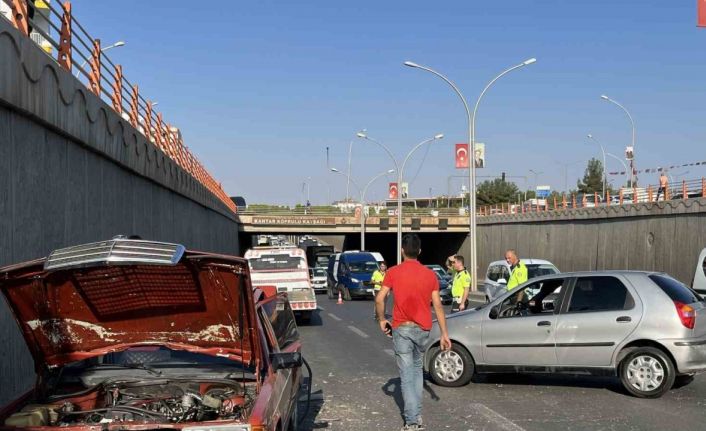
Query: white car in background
[[318, 279], [498, 274]]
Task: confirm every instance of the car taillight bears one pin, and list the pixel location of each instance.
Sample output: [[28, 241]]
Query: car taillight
[[686, 313]]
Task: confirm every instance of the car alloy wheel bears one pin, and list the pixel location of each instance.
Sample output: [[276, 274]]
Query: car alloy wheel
[[647, 372], [448, 366], [451, 368]]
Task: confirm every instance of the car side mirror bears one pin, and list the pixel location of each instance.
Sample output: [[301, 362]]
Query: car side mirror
[[283, 361], [502, 281], [494, 312]]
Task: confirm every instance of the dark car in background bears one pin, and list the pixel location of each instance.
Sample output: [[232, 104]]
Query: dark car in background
[[444, 284]]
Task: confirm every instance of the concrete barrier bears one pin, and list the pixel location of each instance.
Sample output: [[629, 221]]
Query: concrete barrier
[[665, 236], [72, 171]]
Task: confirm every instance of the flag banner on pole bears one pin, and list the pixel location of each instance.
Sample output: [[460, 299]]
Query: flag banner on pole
[[404, 189], [461, 156], [392, 191], [701, 13]]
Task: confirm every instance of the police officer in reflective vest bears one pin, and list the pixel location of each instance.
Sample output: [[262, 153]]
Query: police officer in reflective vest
[[461, 285], [518, 270], [376, 279]]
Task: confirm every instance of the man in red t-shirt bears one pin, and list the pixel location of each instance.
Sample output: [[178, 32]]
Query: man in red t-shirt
[[414, 286]]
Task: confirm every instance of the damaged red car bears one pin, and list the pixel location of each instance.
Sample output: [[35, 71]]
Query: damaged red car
[[141, 335]]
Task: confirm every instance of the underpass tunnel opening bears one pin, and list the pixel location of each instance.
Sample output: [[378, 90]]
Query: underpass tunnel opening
[[436, 246]]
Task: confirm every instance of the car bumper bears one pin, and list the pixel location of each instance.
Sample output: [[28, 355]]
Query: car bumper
[[361, 292], [689, 354]]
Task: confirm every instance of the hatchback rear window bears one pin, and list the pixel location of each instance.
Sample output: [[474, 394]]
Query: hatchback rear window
[[675, 290], [540, 270]]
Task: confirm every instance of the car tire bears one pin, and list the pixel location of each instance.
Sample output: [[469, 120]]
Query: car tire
[[346, 294], [451, 368], [647, 372]]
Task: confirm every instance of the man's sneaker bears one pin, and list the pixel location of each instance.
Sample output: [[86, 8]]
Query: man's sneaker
[[412, 427]]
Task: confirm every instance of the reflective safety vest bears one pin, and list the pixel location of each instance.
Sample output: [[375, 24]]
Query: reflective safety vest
[[518, 275], [462, 280], [377, 279]]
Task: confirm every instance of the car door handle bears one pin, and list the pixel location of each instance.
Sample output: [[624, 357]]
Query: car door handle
[[544, 323], [623, 319]]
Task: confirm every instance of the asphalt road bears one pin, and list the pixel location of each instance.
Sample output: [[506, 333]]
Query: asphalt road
[[356, 387]]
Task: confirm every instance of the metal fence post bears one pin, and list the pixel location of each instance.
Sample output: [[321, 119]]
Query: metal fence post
[[118, 90], [64, 54], [95, 76], [19, 16], [134, 106]]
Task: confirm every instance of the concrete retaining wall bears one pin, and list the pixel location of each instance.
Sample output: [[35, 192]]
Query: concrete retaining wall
[[666, 236], [72, 171]]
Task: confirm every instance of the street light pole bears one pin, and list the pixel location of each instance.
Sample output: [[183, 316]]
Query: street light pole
[[117, 44], [348, 182], [627, 174], [399, 182], [363, 135], [334, 170], [590, 136], [632, 122], [362, 206], [472, 150]]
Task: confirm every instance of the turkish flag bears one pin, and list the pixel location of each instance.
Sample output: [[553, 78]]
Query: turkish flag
[[701, 13], [461, 156], [393, 191]]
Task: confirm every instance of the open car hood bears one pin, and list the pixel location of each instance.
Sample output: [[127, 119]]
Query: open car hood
[[202, 303]]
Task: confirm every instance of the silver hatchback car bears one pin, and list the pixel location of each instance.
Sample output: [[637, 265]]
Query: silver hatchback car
[[647, 328]]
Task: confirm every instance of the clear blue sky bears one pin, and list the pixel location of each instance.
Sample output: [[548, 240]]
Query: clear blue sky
[[260, 88]]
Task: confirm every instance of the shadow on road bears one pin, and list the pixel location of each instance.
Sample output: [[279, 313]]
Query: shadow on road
[[393, 389], [539, 380], [309, 421], [314, 321]]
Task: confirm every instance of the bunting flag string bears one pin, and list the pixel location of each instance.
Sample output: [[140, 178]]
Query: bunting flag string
[[659, 169]]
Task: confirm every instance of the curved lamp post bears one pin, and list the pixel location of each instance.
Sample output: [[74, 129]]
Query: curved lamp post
[[117, 44], [632, 123], [362, 206], [363, 135], [627, 172], [590, 136], [472, 149]]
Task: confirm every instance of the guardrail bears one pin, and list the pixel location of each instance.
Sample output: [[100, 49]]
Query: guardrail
[[687, 189], [690, 189], [106, 80], [372, 212]]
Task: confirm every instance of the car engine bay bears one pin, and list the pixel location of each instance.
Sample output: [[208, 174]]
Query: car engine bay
[[151, 400]]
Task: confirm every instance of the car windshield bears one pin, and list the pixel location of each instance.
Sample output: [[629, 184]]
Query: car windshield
[[540, 270], [319, 272], [270, 262], [363, 267], [438, 271]]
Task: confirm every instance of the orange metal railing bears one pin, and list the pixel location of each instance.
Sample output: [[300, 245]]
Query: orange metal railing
[[73, 44], [686, 189]]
